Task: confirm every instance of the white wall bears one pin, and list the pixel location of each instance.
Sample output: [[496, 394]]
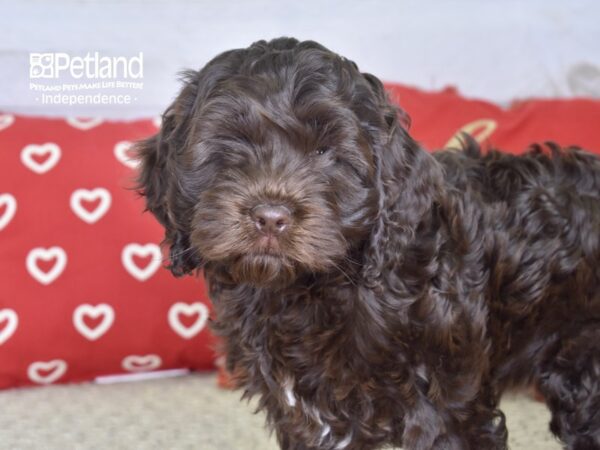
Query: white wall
[[497, 50]]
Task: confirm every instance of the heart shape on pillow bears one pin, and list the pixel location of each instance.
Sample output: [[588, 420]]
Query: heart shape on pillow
[[46, 372], [6, 120], [46, 254], [104, 311], [40, 158], [99, 195], [9, 318], [479, 129], [122, 153], [188, 309], [84, 123], [141, 363], [8, 208], [149, 251]]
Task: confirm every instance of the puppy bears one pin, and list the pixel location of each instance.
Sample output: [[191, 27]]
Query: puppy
[[367, 291]]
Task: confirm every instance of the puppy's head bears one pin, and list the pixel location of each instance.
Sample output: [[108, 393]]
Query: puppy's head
[[267, 162]]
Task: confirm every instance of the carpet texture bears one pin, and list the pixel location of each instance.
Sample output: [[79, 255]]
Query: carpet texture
[[179, 413]]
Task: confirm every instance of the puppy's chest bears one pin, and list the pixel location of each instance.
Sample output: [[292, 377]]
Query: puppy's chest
[[322, 402], [324, 416], [320, 377]]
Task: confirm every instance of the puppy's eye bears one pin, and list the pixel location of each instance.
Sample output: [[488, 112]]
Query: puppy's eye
[[322, 150]]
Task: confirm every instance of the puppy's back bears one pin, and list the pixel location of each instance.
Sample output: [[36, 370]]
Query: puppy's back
[[502, 177]]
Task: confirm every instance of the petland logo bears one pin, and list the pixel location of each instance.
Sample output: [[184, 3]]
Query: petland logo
[[93, 79], [91, 66]]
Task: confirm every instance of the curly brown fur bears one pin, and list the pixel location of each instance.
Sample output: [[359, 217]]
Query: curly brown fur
[[409, 290]]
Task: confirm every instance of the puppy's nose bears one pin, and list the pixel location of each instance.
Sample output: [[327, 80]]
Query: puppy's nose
[[272, 219]]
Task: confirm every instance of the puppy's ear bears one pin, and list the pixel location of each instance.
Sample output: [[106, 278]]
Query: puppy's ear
[[162, 178], [409, 175], [408, 179], [159, 181]]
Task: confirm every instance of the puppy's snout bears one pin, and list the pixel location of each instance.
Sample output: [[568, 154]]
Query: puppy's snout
[[271, 219]]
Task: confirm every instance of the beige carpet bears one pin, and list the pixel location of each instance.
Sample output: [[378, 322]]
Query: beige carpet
[[178, 413]]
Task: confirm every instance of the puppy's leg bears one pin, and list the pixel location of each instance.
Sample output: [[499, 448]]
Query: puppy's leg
[[570, 382], [477, 425], [287, 443], [486, 427]]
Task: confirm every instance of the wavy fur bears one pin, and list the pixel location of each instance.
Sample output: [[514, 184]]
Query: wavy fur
[[412, 288]]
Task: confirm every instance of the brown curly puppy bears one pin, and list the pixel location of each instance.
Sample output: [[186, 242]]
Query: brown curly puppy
[[367, 291]]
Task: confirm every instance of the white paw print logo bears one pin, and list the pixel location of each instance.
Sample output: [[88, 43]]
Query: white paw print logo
[[41, 65]]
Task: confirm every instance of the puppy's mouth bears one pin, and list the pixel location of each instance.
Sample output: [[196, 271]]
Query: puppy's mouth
[[267, 245], [265, 267]]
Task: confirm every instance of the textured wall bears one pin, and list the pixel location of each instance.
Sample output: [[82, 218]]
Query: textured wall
[[497, 50]]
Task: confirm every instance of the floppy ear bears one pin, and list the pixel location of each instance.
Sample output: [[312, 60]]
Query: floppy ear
[[158, 180], [162, 178], [407, 178]]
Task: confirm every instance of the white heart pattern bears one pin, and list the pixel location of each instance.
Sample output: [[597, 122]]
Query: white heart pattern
[[46, 254], [81, 195], [54, 370], [139, 363], [12, 321], [6, 120], [188, 309], [84, 123], [121, 151], [142, 251], [49, 150], [10, 204], [157, 121], [85, 310]]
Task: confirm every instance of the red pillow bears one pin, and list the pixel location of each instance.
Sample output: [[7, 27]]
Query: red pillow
[[438, 116], [83, 293]]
